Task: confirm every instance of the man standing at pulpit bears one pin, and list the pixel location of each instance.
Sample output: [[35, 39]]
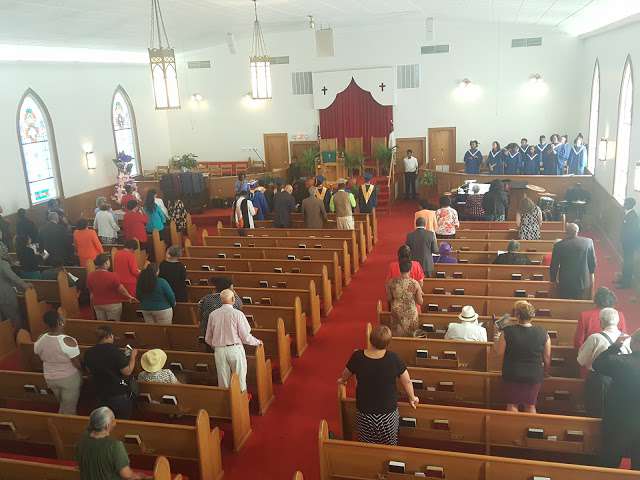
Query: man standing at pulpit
[[343, 203], [367, 195], [324, 193], [410, 175]]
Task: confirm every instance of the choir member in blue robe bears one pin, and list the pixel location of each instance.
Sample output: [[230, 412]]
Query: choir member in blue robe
[[531, 162], [524, 147], [577, 157], [563, 149], [472, 158], [542, 146], [324, 193], [367, 195], [259, 200], [548, 156], [495, 159], [513, 160]]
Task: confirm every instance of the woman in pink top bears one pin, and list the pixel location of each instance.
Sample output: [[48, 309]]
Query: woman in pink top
[[60, 357], [416, 272], [447, 219], [125, 266]]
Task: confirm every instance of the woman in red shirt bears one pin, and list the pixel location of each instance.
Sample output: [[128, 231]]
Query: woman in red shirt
[[416, 272], [589, 322], [134, 224], [125, 266]]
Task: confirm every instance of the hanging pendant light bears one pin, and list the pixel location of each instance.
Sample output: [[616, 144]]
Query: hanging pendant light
[[259, 63], [162, 60]]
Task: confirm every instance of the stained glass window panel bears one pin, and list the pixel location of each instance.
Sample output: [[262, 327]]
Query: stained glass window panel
[[124, 134], [37, 151], [623, 143]]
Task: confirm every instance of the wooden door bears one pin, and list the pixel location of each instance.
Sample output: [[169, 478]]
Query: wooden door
[[442, 148], [418, 146], [276, 151], [353, 145], [297, 148]]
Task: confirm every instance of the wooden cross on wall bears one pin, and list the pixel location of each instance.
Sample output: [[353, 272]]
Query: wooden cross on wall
[[324, 90], [382, 85]]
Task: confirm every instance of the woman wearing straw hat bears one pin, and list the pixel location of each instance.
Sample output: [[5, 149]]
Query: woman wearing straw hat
[[468, 329], [152, 363]]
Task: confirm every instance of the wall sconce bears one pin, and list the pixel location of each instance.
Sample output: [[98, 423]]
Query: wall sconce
[[603, 153], [464, 83], [535, 78], [92, 161], [196, 97]]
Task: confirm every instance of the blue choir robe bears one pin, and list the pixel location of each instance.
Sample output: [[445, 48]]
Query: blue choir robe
[[523, 151], [577, 160], [367, 198], [259, 200], [325, 195], [531, 164], [563, 150], [549, 160], [472, 161], [513, 163], [496, 162]]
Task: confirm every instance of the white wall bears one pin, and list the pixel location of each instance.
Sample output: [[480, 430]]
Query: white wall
[[611, 49], [505, 110], [78, 97]]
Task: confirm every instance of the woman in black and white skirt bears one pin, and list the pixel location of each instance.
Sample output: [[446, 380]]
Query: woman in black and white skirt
[[376, 370]]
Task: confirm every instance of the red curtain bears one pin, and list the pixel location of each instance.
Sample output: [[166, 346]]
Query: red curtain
[[355, 113]]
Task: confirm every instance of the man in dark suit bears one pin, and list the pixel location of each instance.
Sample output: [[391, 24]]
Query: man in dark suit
[[283, 205], [620, 422], [630, 239], [313, 209], [422, 243], [573, 265]]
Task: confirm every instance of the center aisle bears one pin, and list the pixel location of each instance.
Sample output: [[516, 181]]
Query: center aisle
[[284, 440]]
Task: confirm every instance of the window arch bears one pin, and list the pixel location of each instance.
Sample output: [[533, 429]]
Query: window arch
[[125, 132], [623, 137], [38, 149], [594, 119]]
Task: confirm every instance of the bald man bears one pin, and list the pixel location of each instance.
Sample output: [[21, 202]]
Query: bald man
[[573, 265]]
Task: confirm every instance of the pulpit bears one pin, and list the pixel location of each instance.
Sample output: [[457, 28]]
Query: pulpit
[[331, 165]]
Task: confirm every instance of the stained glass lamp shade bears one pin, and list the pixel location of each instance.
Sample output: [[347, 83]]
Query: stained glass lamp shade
[[259, 63], [162, 60]]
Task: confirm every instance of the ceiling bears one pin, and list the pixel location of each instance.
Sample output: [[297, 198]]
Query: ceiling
[[192, 24]]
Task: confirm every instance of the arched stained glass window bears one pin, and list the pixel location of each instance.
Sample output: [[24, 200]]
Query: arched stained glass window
[[623, 140], [594, 118], [125, 134], [38, 149]]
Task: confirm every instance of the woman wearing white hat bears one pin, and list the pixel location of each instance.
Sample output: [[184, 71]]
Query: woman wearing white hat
[[152, 363], [468, 329]]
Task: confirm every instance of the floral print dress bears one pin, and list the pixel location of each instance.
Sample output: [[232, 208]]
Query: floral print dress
[[404, 311]]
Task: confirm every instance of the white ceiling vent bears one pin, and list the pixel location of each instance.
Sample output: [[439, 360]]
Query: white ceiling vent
[[408, 76], [431, 49], [301, 83], [279, 60], [526, 42], [199, 64]]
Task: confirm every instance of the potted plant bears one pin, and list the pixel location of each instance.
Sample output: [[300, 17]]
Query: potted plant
[[383, 156], [427, 179], [353, 161], [307, 161], [184, 162]]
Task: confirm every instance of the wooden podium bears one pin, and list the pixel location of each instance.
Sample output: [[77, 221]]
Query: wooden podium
[[331, 171]]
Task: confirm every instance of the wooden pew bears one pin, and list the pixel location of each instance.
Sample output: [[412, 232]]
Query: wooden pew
[[492, 272], [197, 366], [58, 292], [484, 256], [196, 443], [370, 220], [506, 225], [464, 355], [311, 267], [558, 395], [506, 234], [263, 317], [13, 469], [280, 297], [480, 244], [481, 287], [486, 305], [488, 432], [270, 280], [434, 325], [275, 249], [228, 404], [307, 233], [363, 234]]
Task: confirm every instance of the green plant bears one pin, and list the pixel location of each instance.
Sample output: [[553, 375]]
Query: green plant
[[428, 178], [353, 161], [383, 155], [307, 161], [185, 161]]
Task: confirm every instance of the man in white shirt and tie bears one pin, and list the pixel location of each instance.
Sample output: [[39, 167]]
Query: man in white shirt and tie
[[227, 330], [410, 174]]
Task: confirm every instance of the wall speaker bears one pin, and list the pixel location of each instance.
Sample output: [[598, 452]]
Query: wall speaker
[[231, 43], [324, 42]]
